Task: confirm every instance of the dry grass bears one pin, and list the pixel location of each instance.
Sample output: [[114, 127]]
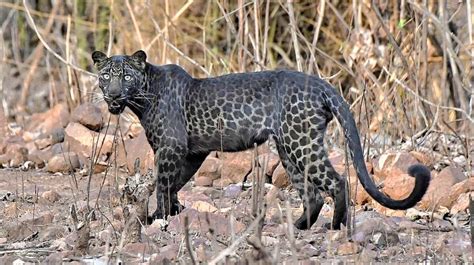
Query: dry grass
[[407, 64]]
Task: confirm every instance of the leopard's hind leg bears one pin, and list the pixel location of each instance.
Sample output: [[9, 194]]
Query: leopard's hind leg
[[303, 155], [310, 195], [337, 190]]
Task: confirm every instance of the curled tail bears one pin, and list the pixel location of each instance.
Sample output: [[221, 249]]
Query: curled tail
[[421, 173]]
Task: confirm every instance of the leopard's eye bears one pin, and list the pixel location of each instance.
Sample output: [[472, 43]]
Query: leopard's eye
[[106, 76], [127, 78]]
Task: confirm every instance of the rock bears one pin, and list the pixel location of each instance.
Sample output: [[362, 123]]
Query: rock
[[273, 195], [139, 148], [56, 136], [203, 206], [358, 193], [440, 187], [222, 182], [393, 164], [422, 158], [35, 157], [385, 239], [210, 169], [43, 143], [269, 161], [82, 140], [47, 122], [203, 181], [457, 189], [65, 163], [134, 130], [88, 115], [347, 248], [232, 191], [236, 166], [189, 198], [4, 161], [18, 155], [203, 222], [30, 136], [279, 178], [309, 250], [51, 196], [398, 185], [166, 254], [372, 226], [462, 203], [134, 248]]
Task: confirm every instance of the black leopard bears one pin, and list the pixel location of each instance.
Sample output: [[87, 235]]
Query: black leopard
[[186, 118]]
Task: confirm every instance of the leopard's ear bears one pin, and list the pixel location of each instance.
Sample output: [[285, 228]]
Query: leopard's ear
[[98, 57], [139, 59]]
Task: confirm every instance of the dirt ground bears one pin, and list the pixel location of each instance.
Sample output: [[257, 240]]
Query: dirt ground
[[36, 225]]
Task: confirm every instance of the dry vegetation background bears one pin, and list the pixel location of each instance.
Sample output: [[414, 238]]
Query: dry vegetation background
[[404, 66]]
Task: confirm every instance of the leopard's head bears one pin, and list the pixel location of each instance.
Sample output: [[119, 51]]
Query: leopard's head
[[122, 78]]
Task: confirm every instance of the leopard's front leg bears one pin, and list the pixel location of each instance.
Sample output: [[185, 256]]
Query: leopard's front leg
[[168, 166]]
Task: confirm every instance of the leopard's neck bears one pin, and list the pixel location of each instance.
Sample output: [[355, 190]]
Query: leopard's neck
[[162, 82]]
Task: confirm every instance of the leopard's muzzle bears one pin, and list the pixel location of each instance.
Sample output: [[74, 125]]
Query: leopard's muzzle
[[116, 101]]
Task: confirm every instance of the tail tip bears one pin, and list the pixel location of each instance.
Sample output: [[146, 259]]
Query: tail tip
[[420, 172]]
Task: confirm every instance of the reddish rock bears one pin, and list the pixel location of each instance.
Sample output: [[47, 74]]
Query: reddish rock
[[348, 248], [279, 178], [268, 161], [203, 181], [134, 130], [235, 166], [47, 122], [422, 158], [209, 170], [391, 164], [462, 203], [358, 193], [139, 148], [65, 162], [43, 143], [440, 187], [88, 115], [82, 140], [398, 186], [457, 189]]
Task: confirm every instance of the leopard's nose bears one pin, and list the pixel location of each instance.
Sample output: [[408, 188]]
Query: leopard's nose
[[114, 93]]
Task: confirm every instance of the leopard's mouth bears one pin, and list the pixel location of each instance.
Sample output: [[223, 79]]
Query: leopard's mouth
[[116, 107]]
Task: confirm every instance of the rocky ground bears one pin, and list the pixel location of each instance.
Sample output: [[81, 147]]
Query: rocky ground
[[56, 207]]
